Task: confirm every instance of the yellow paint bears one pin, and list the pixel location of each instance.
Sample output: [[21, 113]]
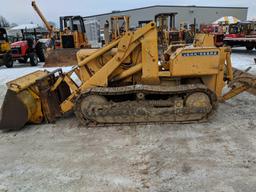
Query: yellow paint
[[134, 58]]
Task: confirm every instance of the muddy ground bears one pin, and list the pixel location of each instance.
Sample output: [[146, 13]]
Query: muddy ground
[[218, 156]]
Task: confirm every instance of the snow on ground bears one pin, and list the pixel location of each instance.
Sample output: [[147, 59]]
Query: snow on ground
[[242, 59], [22, 69]]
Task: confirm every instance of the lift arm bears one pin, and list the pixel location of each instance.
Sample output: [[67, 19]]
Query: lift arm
[[145, 37]]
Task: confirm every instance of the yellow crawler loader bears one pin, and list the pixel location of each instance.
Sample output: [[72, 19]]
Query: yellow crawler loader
[[125, 82]]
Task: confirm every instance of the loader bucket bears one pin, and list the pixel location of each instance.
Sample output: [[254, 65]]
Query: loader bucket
[[14, 113], [61, 57], [29, 99], [20, 104]]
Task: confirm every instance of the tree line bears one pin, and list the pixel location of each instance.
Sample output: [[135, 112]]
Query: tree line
[[4, 22]]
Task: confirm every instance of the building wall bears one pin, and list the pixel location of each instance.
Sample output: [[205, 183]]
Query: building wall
[[186, 14]]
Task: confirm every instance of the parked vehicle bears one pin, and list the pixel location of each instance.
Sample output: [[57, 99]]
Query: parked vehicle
[[242, 34], [28, 48], [5, 49]]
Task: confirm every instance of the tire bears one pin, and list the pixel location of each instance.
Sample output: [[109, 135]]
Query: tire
[[40, 52], [33, 59], [24, 60], [249, 47], [8, 62]]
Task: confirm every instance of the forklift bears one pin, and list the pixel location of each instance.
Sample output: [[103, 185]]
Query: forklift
[[72, 32], [72, 37], [119, 25]]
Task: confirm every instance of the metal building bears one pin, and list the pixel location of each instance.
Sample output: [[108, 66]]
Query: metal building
[[186, 14]]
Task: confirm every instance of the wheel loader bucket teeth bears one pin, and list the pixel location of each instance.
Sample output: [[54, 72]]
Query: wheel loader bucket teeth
[[14, 113], [61, 57]]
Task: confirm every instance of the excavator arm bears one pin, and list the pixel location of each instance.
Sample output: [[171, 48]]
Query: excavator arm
[[46, 23]]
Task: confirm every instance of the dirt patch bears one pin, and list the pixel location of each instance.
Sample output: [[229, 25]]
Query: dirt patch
[[61, 58]]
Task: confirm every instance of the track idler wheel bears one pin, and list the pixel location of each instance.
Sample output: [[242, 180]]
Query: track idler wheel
[[91, 106], [198, 100]]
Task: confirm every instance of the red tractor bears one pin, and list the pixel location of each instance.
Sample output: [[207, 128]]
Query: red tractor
[[28, 48]]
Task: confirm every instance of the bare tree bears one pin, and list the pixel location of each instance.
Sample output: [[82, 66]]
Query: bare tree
[[4, 22]]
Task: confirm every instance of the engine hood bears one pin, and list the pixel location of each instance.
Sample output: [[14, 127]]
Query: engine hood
[[19, 44]]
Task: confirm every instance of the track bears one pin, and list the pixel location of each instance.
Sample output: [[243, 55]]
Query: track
[[140, 104]]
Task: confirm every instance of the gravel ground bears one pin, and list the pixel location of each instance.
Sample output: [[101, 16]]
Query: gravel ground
[[218, 156]]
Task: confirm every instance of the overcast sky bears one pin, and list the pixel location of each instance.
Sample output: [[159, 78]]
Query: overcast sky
[[20, 11]]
